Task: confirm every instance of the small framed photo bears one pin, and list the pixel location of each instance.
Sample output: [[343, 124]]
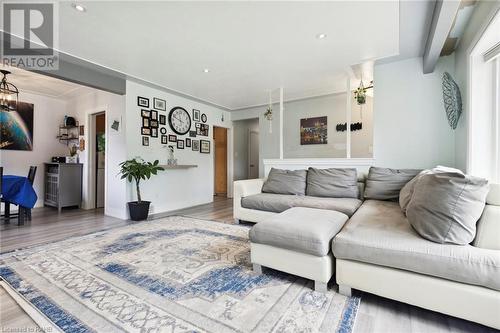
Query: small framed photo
[[145, 122], [82, 130], [154, 115], [180, 144], [197, 125], [195, 145], [192, 134], [164, 140], [154, 123], [145, 113], [163, 130], [145, 140], [196, 115], [188, 142], [204, 118], [163, 119], [159, 104], [205, 146], [145, 131], [172, 138], [143, 102], [154, 132]]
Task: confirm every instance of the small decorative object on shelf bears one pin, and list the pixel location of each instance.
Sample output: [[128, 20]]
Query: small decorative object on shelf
[[69, 132], [171, 159]]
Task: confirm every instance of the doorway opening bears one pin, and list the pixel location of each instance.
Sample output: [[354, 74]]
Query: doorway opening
[[246, 149], [97, 145], [220, 161]]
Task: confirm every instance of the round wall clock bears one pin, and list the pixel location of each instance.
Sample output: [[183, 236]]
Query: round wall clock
[[204, 118], [179, 120]]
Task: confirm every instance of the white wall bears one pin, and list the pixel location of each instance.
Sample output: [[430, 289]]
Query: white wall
[[410, 125], [241, 131], [116, 151], [48, 114], [172, 189]]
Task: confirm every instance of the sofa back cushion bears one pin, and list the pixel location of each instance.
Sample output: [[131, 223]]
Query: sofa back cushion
[[332, 183], [285, 182], [445, 207], [385, 183], [488, 226]]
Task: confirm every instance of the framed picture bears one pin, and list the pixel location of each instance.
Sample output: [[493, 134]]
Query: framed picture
[[192, 134], [172, 138], [180, 144], [205, 146], [163, 119], [145, 140], [82, 130], [145, 131], [196, 115], [163, 130], [154, 115], [154, 123], [204, 118], [164, 140], [154, 132], [145, 113], [143, 102], [202, 130], [145, 122], [197, 125], [313, 131], [159, 104], [188, 142], [195, 146]]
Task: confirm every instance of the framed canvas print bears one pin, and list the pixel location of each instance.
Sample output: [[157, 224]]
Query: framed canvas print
[[163, 119], [145, 113], [188, 142], [159, 104], [195, 145], [180, 144], [154, 132], [145, 131], [143, 102], [154, 123], [164, 140], [154, 115], [145, 122], [205, 146], [192, 134], [313, 131], [16, 128], [172, 138], [196, 115], [145, 141], [163, 130]]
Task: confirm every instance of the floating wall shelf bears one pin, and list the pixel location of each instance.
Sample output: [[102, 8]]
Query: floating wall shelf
[[180, 166]]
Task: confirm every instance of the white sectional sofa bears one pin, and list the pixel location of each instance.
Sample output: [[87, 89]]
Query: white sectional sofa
[[379, 252]]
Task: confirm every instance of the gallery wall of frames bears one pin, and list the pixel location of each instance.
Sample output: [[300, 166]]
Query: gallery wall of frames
[[178, 127]]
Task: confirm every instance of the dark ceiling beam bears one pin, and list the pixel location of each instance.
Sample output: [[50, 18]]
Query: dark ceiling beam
[[442, 21]]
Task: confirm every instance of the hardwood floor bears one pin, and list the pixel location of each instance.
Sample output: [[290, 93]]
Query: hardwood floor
[[376, 314]]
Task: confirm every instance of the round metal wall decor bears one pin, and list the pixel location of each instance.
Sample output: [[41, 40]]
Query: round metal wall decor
[[452, 100]]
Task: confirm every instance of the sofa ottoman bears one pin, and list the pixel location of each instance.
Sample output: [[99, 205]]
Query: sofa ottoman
[[297, 241]]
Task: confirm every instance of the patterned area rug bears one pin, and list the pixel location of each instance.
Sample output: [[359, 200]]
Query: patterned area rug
[[171, 275]]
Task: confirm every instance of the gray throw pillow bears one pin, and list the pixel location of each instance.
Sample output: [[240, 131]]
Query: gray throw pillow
[[385, 183], [445, 207], [332, 183], [407, 191], [285, 182]]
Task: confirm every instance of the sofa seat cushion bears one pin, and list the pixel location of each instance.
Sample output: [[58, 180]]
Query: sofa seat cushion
[[378, 233], [278, 203], [305, 230]]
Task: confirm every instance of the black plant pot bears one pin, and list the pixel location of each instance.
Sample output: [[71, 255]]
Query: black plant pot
[[138, 210]]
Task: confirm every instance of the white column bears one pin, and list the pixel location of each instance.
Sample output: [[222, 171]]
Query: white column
[[281, 123], [348, 118]]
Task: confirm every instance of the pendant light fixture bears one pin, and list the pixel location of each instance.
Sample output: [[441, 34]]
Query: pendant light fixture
[[9, 94], [269, 113]]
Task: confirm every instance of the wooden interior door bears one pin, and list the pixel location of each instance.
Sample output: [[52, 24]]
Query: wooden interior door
[[220, 153]]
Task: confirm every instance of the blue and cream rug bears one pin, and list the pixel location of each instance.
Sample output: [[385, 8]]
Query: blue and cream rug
[[171, 275]]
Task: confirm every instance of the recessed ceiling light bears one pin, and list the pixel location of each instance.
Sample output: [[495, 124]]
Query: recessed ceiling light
[[79, 7], [206, 70], [320, 36]]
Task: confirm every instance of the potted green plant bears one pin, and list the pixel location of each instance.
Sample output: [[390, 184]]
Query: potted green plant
[[138, 169]]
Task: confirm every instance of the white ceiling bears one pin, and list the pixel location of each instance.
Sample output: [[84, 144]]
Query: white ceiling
[[249, 47]]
